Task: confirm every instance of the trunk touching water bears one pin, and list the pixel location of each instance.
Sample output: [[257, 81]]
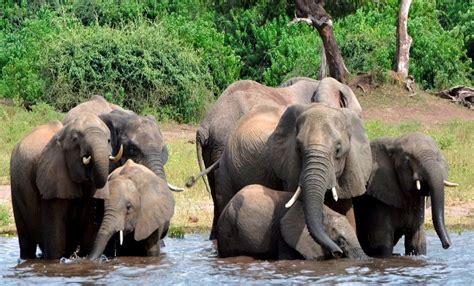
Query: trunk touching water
[[435, 182], [100, 159], [315, 183], [107, 229]]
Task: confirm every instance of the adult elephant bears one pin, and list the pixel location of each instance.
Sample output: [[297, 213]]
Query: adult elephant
[[236, 101], [55, 170], [140, 136], [336, 94], [256, 223], [313, 146], [96, 105], [138, 212], [405, 171]]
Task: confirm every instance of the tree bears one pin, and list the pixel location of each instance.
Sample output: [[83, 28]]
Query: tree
[[313, 13], [404, 40]]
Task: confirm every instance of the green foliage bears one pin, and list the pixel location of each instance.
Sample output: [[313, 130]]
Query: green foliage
[[138, 66]]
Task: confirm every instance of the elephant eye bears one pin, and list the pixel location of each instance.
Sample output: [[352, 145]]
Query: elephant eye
[[338, 150], [129, 206], [406, 161]]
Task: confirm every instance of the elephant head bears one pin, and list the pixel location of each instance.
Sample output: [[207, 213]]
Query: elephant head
[[141, 138], [320, 148], [335, 94], [77, 155], [139, 203], [407, 168]]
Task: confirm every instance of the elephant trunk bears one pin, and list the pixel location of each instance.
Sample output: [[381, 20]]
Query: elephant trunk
[[108, 228], [155, 163], [100, 159], [436, 184], [315, 183]]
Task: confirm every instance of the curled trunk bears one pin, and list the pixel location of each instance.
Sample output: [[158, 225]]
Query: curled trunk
[[154, 162], [315, 183]]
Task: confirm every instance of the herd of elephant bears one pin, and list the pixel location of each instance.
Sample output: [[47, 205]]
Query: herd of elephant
[[291, 172]]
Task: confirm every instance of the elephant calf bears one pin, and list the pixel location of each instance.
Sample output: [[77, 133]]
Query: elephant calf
[[405, 171], [137, 212], [257, 223]]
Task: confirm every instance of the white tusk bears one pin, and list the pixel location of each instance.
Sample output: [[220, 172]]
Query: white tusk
[[293, 198], [121, 237], [334, 194], [86, 160], [418, 185], [117, 157], [174, 188], [449, 184]]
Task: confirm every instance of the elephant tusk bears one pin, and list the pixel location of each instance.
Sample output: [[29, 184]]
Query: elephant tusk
[[449, 184], [293, 198], [418, 185], [86, 160], [117, 157], [174, 188], [121, 237], [334, 194]]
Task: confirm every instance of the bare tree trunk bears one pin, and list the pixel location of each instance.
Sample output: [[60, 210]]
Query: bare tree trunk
[[323, 65], [313, 13], [403, 41]]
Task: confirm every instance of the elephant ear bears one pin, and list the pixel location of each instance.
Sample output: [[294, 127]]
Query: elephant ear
[[114, 121], [383, 184], [358, 165], [349, 100], [296, 235], [156, 208], [52, 178], [283, 141]]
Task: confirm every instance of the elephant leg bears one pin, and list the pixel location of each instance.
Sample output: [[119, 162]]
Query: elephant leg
[[89, 226], [415, 242], [26, 239], [54, 213], [342, 206], [285, 252]]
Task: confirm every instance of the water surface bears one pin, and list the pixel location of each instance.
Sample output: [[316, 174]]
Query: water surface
[[193, 260]]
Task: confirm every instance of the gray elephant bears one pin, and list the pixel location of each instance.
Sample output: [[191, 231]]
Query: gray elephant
[[336, 94], [310, 149], [140, 136], [256, 223], [96, 105], [137, 212], [55, 170], [405, 171]]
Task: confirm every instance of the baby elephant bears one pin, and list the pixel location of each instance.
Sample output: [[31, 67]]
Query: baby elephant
[[256, 223], [137, 212]]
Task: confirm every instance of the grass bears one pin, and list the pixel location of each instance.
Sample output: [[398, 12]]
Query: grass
[[193, 210]]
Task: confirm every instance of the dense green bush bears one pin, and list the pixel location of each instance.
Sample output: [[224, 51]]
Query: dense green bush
[[138, 66]]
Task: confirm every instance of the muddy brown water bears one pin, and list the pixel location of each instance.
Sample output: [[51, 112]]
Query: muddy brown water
[[193, 260]]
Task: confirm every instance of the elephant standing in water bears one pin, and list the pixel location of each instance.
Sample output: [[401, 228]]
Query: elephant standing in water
[[310, 149], [55, 170], [237, 100], [405, 171], [256, 223], [138, 211]]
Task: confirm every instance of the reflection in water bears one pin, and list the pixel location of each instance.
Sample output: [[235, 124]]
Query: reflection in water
[[194, 260]]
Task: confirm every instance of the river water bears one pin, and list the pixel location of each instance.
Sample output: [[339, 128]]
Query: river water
[[193, 260]]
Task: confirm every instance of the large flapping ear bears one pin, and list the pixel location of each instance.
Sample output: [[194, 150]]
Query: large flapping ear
[[358, 164], [52, 177], [349, 100], [157, 207], [383, 183], [296, 235], [115, 121], [284, 158], [164, 154]]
